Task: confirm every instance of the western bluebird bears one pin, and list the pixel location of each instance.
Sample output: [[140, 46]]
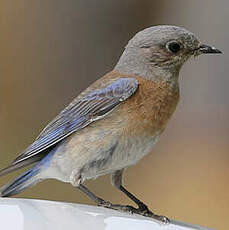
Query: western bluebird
[[116, 121]]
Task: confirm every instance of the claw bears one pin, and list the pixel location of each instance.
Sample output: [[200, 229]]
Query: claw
[[164, 219], [103, 203], [142, 210]]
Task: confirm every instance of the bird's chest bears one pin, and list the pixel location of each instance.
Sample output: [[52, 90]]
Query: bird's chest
[[147, 113], [151, 107]]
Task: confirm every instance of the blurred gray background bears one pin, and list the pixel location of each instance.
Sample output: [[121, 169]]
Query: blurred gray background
[[51, 50]]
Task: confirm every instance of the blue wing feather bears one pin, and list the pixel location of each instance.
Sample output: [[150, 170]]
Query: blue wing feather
[[93, 106]]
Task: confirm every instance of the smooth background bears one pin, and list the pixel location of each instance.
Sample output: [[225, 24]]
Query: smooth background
[[51, 50]]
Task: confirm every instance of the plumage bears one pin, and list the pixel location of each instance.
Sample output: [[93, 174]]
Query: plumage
[[76, 116], [114, 122]]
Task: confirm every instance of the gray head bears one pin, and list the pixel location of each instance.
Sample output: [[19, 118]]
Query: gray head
[[160, 51]]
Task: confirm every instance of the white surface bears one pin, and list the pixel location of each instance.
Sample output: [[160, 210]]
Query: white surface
[[26, 214]]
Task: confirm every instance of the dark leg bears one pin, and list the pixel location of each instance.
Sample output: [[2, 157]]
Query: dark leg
[[116, 180], [99, 201], [96, 199]]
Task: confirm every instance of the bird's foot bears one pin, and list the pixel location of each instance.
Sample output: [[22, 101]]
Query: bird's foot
[[142, 210], [150, 214], [103, 203], [118, 207]]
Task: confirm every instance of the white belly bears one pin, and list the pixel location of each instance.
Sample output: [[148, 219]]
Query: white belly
[[125, 153], [86, 156]]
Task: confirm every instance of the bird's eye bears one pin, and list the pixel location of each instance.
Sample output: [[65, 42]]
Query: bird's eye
[[173, 46]]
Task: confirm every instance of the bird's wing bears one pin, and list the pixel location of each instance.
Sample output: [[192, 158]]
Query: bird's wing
[[84, 110]]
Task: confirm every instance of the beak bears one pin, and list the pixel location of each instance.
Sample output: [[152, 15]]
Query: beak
[[205, 49]]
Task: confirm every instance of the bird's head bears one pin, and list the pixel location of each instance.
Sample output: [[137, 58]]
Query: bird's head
[[161, 47]]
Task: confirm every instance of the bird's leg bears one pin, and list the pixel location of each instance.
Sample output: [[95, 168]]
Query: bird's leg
[[116, 180], [96, 199], [100, 202]]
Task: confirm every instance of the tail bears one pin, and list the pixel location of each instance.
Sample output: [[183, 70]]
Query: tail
[[28, 178], [21, 164], [24, 181]]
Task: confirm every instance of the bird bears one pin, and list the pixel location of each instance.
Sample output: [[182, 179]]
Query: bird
[[116, 121]]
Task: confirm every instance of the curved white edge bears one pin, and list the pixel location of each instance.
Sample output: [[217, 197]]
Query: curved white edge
[[29, 214]]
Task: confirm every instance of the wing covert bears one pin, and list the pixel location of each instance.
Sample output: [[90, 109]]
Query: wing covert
[[84, 110]]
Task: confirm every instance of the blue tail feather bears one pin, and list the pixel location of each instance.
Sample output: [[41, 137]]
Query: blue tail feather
[[18, 185], [28, 178]]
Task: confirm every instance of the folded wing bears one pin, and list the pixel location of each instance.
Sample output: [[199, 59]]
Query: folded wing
[[85, 110]]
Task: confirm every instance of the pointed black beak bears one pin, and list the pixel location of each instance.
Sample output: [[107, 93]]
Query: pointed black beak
[[205, 49]]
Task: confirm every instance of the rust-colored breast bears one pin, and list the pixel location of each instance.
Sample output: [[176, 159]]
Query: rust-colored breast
[[150, 108]]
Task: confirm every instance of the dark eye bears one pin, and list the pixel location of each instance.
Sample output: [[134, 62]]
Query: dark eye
[[173, 46]]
